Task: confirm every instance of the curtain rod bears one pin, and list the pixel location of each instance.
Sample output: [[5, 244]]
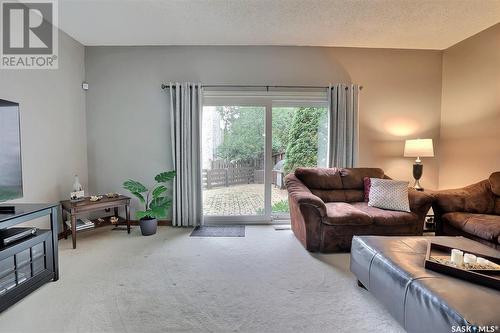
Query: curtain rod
[[164, 86]]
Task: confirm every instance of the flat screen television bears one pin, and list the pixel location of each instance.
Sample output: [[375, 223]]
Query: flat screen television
[[11, 180]]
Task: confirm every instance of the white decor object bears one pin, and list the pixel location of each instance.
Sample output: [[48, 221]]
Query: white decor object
[[389, 194], [457, 257], [77, 187], [77, 195], [482, 261], [78, 192], [469, 258]]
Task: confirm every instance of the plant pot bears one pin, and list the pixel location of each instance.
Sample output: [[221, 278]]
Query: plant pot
[[148, 226]]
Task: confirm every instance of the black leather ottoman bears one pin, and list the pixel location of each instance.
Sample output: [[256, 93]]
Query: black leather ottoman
[[421, 300]]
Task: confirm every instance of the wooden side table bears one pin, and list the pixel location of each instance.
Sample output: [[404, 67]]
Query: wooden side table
[[75, 209]]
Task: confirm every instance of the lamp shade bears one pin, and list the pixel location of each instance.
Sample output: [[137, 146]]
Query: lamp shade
[[419, 148]]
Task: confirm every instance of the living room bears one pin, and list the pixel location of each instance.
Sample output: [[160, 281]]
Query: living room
[[250, 166]]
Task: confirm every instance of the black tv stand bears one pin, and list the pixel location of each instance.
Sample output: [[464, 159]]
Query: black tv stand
[[30, 262], [7, 209]]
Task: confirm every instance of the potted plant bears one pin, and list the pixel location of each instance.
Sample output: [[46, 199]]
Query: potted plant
[[156, 202]]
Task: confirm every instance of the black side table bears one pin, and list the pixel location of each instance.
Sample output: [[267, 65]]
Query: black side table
[[32, 261]]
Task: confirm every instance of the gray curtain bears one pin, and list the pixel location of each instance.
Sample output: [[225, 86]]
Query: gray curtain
[[344, 132], [185, 108]]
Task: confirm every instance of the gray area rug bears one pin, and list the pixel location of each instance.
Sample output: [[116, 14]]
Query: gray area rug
[[219, 231]]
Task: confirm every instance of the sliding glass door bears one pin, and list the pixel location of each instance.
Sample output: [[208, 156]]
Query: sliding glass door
[[250, 142]]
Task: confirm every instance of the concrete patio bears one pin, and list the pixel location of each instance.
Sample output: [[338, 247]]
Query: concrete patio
[[246, 199]]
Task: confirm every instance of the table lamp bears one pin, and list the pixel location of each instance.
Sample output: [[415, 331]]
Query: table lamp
[[418, 148]]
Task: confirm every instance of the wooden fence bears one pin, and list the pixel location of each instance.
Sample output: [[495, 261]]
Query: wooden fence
[[227, 177], [224, 173], [227, 173]]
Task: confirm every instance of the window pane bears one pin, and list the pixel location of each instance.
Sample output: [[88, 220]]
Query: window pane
[[300, 139]]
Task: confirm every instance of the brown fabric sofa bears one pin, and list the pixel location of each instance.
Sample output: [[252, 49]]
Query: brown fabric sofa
[[472, 211], [327, 209]]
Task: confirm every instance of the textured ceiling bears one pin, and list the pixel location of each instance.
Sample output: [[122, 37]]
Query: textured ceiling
[[415, 24]]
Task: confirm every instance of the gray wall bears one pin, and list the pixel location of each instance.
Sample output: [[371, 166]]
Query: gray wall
[[128, 126], [127, 116], [53, 131]]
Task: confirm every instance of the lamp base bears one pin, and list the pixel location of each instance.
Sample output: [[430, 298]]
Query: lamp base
[[418, 170], [417, 186]]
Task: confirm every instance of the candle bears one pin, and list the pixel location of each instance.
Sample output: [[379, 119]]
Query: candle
[[482, 261], [457, 257], [469, 258]]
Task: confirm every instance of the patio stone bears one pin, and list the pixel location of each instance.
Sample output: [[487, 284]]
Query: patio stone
[[246, 199]]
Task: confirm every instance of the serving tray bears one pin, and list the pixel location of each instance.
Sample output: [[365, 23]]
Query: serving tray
[[485, 277]]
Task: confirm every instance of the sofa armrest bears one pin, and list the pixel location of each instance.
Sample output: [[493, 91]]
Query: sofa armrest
[[476, 198], [299, 193], [450, 200], [420, 202]]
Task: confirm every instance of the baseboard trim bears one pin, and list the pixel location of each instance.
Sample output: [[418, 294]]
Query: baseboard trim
[[167, 223]]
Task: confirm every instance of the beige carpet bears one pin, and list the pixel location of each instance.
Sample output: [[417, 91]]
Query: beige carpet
[[170, 282]]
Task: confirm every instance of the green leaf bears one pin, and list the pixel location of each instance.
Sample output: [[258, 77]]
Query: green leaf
[[160, 202], [160, 205], [134, 186], [143, 213], [141, 198], [159, 212], [158, 191], [165, 176]]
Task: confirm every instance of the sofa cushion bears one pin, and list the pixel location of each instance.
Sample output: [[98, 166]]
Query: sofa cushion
[[341, 213], [481, 225], [495, 183], [339, 195], [354, 195], [389, 194], [337, 185], [386, 217], [353, 178], [329, 195], [320, 178]]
